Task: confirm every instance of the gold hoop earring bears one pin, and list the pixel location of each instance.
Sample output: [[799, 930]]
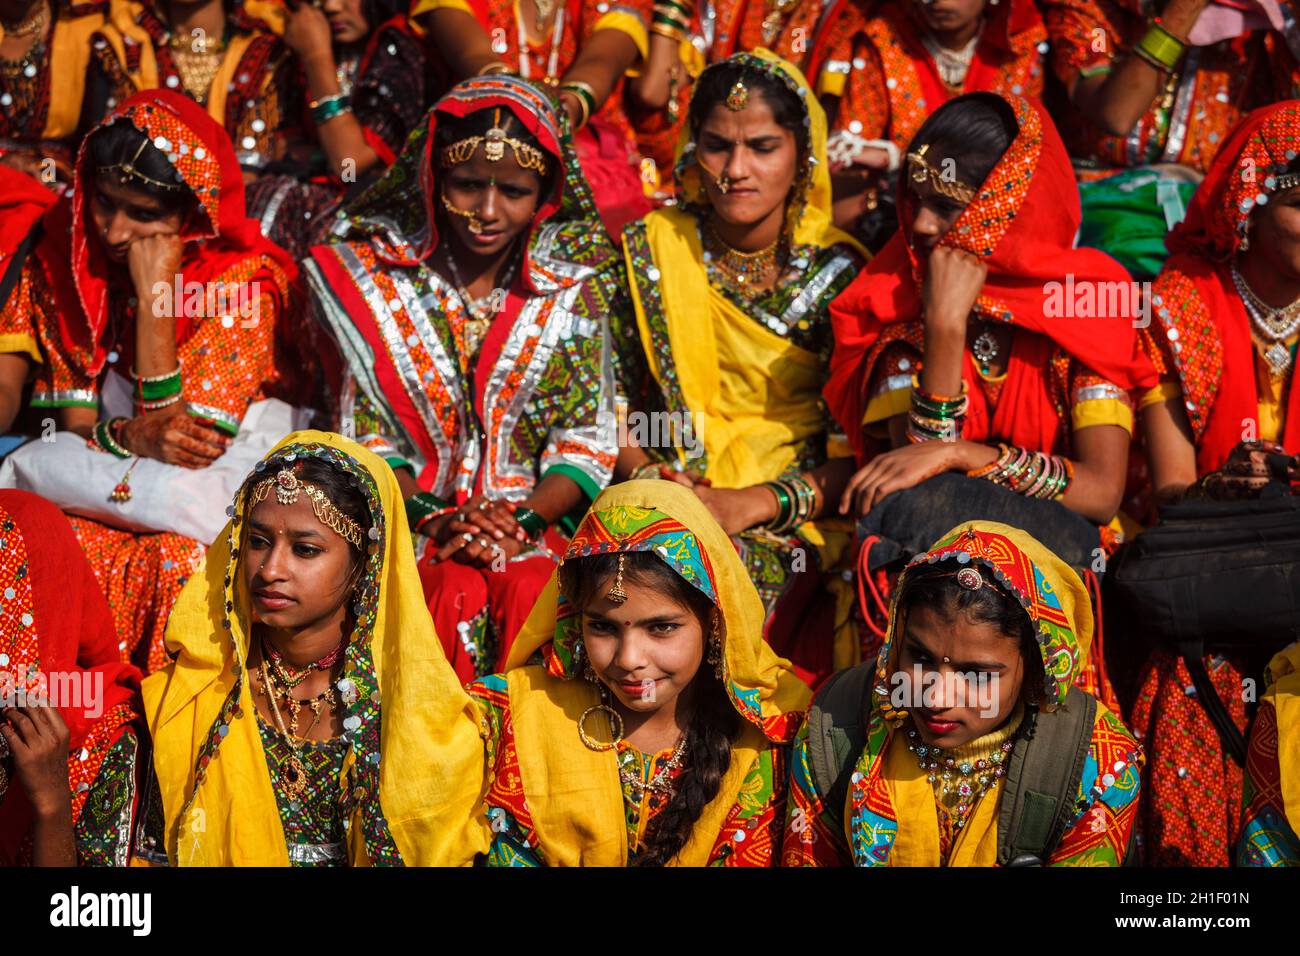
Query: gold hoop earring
[[614, 719]]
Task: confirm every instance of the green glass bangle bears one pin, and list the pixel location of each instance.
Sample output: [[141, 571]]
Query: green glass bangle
[[533, 523], [1162, 46], [322, 113], [104, 437], [420, 505], [784, 505]]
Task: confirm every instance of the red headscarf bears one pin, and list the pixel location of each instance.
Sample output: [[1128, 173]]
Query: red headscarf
[[219, 239], [57, 622], [23, 201], [1022, 224], [1197, 308]]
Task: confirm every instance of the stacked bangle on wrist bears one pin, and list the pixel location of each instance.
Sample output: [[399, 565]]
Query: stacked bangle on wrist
[[496, 66], [796, 500], [106, 438], [585, 94], [1160, 48], [671, 19], [422, 507], [1033, 474], [153, 392], [936, 417], [327, 107], [534, 525]]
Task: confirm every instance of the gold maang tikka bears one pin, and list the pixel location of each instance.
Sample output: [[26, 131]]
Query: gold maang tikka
[[494, 143], [737, 97], [127, 171], [288, 487], [616, 594], [921, 169]]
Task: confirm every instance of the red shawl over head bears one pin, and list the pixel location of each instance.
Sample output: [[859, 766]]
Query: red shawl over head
[[1022, 224], [217, 239], [23, 201], [1203, 321], [57, 622]]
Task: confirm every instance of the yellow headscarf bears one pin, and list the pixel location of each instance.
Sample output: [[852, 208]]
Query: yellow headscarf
[[1284, 694], [415, 778], [1060, 609], [573, 792], [759, 393]]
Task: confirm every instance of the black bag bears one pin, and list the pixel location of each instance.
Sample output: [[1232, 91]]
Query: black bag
[[1214, 577], [1042, 774]]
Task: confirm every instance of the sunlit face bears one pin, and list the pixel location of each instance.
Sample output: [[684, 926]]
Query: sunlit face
[[646, 650], [123, 214], [927, 214], [948, 646], [502, 196], [951, 16], [347, 18], [299, 573], [759, 158], [1275, 234]]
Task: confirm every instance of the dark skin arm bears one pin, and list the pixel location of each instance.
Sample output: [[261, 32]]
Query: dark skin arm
[[307, 33], [13, 375], [38, 739], [650, 88], [1115, 101]]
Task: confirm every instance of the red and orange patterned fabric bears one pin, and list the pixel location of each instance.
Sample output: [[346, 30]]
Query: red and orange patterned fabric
[[1022, 223], [892, 83], [1202, 327], [1216, 86], [56, 639]]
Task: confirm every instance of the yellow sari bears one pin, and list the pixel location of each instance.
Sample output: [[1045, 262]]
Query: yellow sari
[[571, 795], [414, 780], [751, 393]]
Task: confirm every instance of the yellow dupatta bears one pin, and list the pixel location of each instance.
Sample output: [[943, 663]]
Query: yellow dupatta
[[218, 802], [1059, 604], [573, 793], [759, 393], [1284, 694]]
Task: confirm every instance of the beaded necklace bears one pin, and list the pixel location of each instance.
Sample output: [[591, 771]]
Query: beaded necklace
[[741, 272], [961, 782], [660, 782], [480, 312]]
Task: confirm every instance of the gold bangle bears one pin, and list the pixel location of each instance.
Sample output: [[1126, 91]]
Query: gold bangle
[[582, 105], [496, 66], [672, 33]]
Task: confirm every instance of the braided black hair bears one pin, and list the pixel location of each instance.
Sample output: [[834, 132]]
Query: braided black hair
[[714, 723]]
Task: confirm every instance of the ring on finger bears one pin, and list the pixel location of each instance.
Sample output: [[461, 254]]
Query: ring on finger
[[467, 537], [484, 543]]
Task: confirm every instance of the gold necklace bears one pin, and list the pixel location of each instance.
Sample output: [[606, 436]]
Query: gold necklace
[[742, 272], [293, 774], [197, 67], [34, 23], [660, 782], [544, 10]]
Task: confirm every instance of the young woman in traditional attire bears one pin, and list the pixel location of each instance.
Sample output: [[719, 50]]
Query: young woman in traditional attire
[[70, 768], [581, 50], [310, 718], [989, 605], [157, 205], [751, 254], [641, 720], [1271, 799], [467, 298], [1227, 318], [365, 76]]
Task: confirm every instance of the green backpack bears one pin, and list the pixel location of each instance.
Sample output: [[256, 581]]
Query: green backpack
[[1038, 796]]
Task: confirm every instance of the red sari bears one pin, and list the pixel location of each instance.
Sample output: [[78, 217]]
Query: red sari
[[492, 422], [54, 621], [1022, 225], [890, 84], [74, 303], [1191, 814]]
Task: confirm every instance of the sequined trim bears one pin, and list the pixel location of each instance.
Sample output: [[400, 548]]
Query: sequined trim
[[217, 415], [62, 397], [314, 854], [1093, 393]]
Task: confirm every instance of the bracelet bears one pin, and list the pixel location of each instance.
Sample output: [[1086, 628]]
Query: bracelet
[[784, 503], [671, 20], [1003, 451], [495, 66], [1031, 474], [1161, 48], [157, 378], [649, 469], [324, 110], [796, 501], [160, 403], [584, 90], [151, 388], [667, 5], [582, 105], [421, 507], [676, 34], [533, 523], [106, 440]]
